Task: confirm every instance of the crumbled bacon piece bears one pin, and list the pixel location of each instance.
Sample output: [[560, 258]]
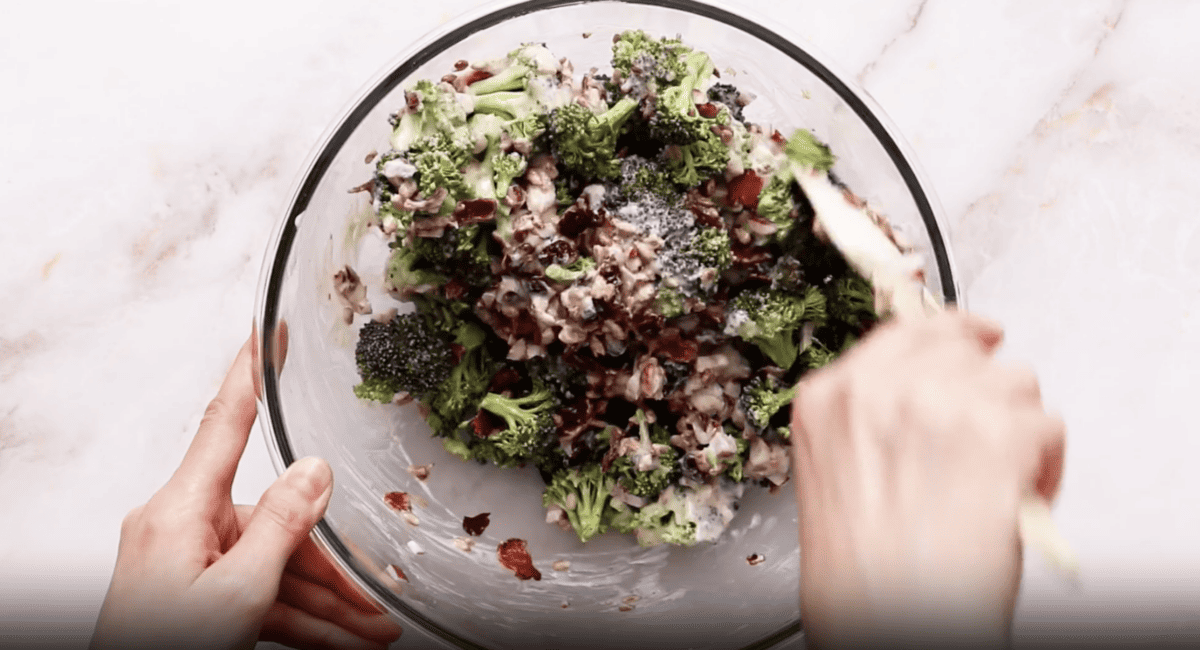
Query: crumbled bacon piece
[[469, 211], [477, 524], [744, 190], [460, 65], [397, 501], [755, 559], [707, 110], [420, 472], [485, 423], [396, 573], [475, 75], [514, 556]]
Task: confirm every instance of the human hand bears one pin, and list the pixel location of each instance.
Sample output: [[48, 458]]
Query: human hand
[[912, 455], [195, 571]]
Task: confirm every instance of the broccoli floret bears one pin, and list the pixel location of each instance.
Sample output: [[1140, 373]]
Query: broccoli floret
[[506, 167], [772, 319], [642, 178], [652, 467], [565, 381], [408, 353], [405, 270], [528, 421], [711, 249], [459, 395], [818, 356], [439, 161], [676, 119], [727, 95], [692, 164], [643, 484], [805, 150], [524, 63], [763, 397], [637, 54], [584, 142], [735, 466], [775, 203], [853, 302], [430, 262], [669, 302], [665, 521], [400, 219], [584, 494], [438, 111], [570, 272], [377, 389]]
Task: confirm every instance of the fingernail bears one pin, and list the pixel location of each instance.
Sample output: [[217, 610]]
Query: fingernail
[[311, 476]]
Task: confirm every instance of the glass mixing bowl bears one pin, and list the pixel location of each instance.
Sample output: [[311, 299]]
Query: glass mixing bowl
[[615, 593]]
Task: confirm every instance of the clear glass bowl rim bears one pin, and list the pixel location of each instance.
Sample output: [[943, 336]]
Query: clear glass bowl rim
[[399, 70]]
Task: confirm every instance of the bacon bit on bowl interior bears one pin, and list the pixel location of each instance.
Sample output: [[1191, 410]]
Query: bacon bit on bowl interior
[[420, 472], [625, 608], [755, 559], [514, 556], [629, 600], [464, 544], [477, 524], [396, 573], [397, 501]]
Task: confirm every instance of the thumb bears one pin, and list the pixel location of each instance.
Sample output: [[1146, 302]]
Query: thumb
[[281, 521]]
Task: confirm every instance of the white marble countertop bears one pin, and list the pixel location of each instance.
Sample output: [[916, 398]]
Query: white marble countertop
[[149, 149]]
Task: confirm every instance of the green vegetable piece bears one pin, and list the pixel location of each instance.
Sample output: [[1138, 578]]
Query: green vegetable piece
[[585, 143], [805, 150], [762, 398], [772, 319], [584, 494], [570, 272]]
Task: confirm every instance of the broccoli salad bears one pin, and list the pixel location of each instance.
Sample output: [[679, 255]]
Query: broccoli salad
[[616, 277]]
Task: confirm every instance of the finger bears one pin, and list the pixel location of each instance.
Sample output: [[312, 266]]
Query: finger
[[281, 521], [212, 459], [276, 349], [324, 604], [1054, 449], [311, 563], [988, 333], [295, 628], [1044, 452], [1020, 384]]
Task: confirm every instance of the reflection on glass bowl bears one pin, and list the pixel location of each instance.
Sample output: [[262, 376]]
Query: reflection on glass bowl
[[614, 593]]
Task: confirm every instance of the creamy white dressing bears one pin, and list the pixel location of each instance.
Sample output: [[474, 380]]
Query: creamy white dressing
[[712, 508]]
